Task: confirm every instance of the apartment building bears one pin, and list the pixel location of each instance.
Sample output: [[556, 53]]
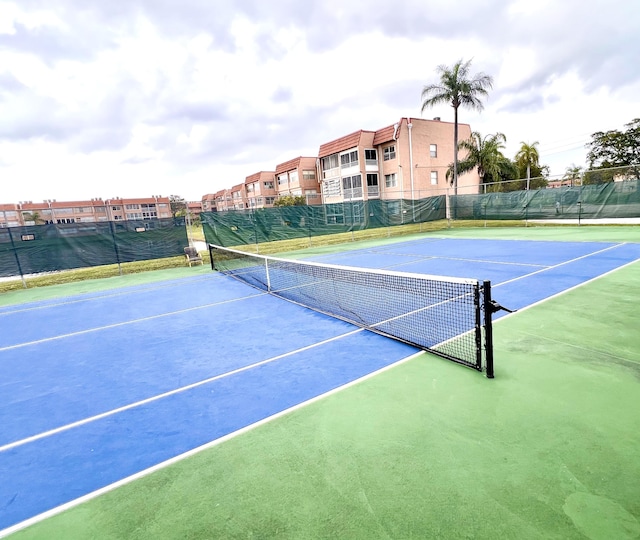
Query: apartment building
[[407, 160], [10, 215], [156, 207], [209, 203], [261, 190], [222, 200], [194, 208], [238, 197], [84, 211], [298, 177]]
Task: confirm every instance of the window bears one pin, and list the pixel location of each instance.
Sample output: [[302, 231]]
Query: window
[[349, 182], [434, 178], [293, 177], [349, 159], [270, 200], [389, 153], [329, 162], [116, 208], [132, 206], [308, 175], [331, 188], [390, 180], [433, 150], [352, 186], [372, 184], [268, 185], [370, 156], [250, 188], [282, 179]]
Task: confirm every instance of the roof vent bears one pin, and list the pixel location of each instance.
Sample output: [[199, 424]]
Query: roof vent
[[437, 119]]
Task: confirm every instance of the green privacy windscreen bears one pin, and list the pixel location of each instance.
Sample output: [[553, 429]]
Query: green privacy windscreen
[[49, 248]]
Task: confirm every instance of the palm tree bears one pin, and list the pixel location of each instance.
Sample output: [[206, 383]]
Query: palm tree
[[483, 153], [457, 87], [574, 174], [528, 156], [33, 217]]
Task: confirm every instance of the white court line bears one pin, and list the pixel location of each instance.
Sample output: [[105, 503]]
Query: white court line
[[171, 461], [97, 296], [133, 321], [106, 414], [565, 291], [85, 498], [561, 264], [461, 259]]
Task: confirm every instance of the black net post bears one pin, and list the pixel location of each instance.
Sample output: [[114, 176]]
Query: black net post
[[488, 329], [213, 266]]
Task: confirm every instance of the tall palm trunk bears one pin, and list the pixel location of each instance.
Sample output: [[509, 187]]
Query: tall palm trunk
[[455, 150]]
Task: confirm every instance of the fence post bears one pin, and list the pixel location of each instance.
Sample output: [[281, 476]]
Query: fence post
[[15, 254], [115, 247]]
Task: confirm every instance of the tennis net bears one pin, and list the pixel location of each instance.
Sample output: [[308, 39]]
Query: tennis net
[[443, 315]]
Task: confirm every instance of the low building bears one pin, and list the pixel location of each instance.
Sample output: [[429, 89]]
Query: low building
[[260, 190], [238, 197], [9, 215], [84, 211], [298, 177], [223, 200], [194, 208], [208, 203]]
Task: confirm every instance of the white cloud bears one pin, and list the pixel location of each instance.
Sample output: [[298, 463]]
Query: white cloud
[[103, 99]]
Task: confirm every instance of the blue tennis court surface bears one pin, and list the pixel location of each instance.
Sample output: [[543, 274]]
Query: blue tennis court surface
[[99, 387]]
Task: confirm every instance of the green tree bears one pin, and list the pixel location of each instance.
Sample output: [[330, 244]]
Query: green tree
[[485, 155], [528, 158], [291, 200], [574, 175], [32, 216], [178, 206], [614, 149], [458, 88]]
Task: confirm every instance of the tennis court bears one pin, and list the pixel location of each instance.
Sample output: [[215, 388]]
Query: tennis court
[[172, 408]]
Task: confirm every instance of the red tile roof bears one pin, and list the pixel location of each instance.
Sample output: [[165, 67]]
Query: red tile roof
[[341, 144], [288, 165], [384, 135]]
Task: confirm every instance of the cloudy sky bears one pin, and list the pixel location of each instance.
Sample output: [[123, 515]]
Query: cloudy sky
[[132, 98]]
